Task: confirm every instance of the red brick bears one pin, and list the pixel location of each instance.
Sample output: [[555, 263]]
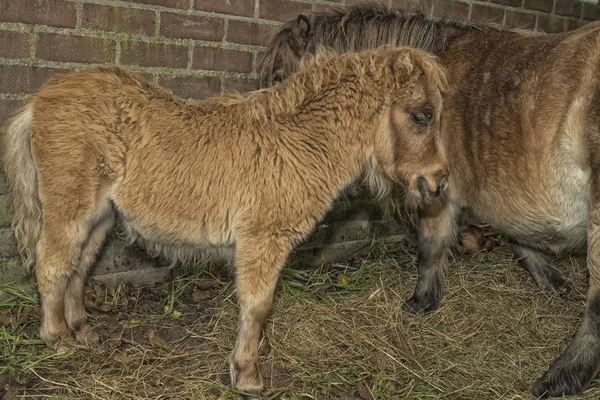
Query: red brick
[[57, 47], [323, 8], [451, 9], [154, 54], [195, 87], [487, 14], [414, 5], [192, 26], [511, 3], [250, 33], [539, 5], [14, 44], [550, 24], [375, 2], [23, 79], [42, 12], [7, 108], [212, 58], [591, 11], [118, 19], [282, 10], [233, 7], [572, 24], [183, 4], [570, 8], [517, 19], [241, 85]]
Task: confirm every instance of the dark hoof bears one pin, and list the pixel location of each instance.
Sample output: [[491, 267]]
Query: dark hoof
[[426, 304], [559, 284], [559, 382]]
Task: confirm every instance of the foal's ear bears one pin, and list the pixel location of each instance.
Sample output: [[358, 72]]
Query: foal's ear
[[302, 27]]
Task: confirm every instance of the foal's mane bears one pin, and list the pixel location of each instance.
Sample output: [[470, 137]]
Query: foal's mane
[[388, 68]]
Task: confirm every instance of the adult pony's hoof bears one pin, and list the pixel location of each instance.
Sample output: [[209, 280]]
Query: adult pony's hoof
[[556, 283], [425, 304], [560, 380]]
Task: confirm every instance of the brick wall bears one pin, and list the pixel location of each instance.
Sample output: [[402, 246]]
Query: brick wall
[[198, 48]]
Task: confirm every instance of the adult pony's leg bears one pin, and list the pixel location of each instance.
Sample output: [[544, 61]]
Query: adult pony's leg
[[258, 263], [541, 269], [574, 369], [437, 227], [75, 313]]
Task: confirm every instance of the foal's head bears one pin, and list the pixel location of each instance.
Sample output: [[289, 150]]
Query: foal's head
[[408, 145]]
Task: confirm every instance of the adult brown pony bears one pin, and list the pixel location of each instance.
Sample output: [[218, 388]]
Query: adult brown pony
[[250, 173], [521, 128]]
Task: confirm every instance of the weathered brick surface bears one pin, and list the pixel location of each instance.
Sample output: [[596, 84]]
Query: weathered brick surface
[[241, 85], [7, 108], [487, 14], [151, 54], [14, 44], [454, 10], [59, 13], [182, 4], [217, 59], [551, 23], [23, 79], [118, 19], [59, 47], [249, 32], [518, 19], [569, 8], [539, 5], [423, 6], [192, 26], [192, 86], [282, 10], [511, 3], [233, 7], [126, 32]]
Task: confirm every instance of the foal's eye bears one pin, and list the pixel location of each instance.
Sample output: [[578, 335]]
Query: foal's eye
[[419, 118]]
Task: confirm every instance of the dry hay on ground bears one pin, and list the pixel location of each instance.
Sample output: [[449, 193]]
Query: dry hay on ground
[[339, 332]]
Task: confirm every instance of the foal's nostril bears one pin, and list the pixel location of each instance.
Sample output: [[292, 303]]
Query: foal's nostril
[[443, 183], [423, 186]]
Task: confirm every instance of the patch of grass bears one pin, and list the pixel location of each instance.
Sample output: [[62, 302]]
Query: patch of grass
[[339, 331]]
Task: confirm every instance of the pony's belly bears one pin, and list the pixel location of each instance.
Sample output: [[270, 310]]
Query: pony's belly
[[557, 224]]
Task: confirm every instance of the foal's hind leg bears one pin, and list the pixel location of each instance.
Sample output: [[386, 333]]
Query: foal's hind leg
[[541, 269], [258, 263], [75, 313], [56, 261]]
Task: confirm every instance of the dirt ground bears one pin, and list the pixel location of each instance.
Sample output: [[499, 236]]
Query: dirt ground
[[337, 332]]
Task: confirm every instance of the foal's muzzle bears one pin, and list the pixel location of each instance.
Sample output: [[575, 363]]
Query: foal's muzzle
[[431, 189]]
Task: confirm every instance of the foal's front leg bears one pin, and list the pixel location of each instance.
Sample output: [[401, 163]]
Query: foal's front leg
[[575, 368], [258, 263], [437, 227]]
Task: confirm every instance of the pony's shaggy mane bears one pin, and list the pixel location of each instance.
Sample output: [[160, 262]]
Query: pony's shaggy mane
[[370, 25], [327, 68], [362, 27]]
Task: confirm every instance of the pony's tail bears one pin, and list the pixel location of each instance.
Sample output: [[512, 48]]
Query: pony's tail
[[21, 175]]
